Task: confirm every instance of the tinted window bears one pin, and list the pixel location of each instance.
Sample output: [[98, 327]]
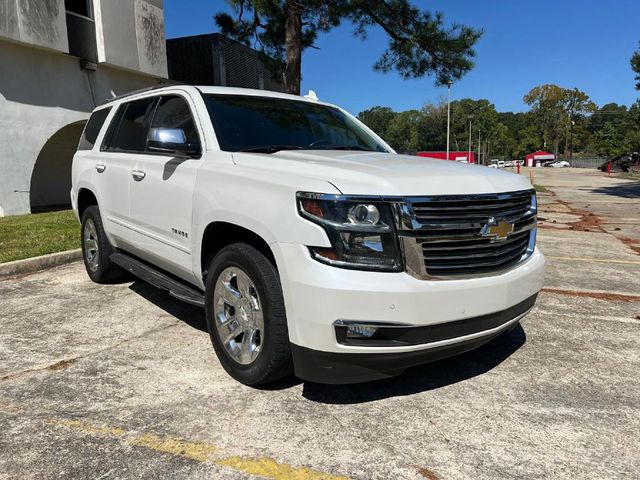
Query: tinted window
[[174, 112], [130, 134], [92, 129], [246, 122]]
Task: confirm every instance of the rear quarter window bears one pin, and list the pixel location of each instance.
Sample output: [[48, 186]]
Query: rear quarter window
[[92, 128]]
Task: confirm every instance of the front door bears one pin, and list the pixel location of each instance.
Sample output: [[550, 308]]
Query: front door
[[161, 192]]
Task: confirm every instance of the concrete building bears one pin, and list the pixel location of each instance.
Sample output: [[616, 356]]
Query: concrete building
[[58, 60]]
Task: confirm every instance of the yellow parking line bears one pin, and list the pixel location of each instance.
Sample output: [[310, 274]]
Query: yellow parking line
[[269, 468], [597, 260], [200, 452], [175, 446], [88, 427]]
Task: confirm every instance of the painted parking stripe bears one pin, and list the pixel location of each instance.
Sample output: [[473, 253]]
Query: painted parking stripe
[[199, 451]]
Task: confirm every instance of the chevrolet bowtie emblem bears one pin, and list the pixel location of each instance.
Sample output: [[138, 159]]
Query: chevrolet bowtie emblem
[[496, 229]]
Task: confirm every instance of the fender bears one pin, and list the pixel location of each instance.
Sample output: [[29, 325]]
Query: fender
[[252, 199]]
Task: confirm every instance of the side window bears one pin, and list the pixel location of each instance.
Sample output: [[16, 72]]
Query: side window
[[92, 129], [174, 112], [130, 133]]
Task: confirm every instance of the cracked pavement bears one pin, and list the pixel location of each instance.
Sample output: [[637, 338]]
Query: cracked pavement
[[120, 381]]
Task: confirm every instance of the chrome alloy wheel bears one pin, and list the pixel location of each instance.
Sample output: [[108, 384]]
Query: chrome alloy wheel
[[238, 315], [90, 240]]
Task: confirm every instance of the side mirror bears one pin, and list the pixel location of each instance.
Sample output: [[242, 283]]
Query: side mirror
[[171, 140]]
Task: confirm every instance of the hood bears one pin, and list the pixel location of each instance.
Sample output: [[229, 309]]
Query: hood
[[372, 173]]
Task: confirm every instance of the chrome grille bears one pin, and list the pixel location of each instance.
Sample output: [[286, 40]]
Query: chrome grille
[[443, 235]]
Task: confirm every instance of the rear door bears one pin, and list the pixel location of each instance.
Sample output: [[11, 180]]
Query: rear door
[[162, 189], [124, 142]]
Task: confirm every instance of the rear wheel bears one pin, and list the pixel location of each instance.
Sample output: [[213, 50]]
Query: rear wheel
[[246, 316], [96, 248]]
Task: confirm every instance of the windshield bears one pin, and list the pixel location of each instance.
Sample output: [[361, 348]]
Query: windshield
[[264, 124]]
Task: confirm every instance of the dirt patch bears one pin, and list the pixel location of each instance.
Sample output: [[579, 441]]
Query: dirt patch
[[61, 365], [588, 222], [632, 243], [612, 297], [428, 474]]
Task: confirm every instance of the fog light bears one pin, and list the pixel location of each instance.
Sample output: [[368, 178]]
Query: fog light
[[360, 331]]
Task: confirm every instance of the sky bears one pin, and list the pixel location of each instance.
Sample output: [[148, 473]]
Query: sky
[[573, 43]]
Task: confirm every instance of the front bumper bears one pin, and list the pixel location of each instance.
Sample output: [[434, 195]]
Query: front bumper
[[317, 295], [344, 368]]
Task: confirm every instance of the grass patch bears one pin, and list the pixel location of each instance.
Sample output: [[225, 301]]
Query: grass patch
[[540, 188], [25, 236]]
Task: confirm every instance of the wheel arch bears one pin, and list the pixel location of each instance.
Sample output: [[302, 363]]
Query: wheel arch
[[86, 198], [219, 234]]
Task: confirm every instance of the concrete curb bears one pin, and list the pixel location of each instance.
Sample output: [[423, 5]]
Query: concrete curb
[[31, 265]]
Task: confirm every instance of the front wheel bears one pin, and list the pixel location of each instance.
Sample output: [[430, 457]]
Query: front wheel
[[96, 248], [246, 316]]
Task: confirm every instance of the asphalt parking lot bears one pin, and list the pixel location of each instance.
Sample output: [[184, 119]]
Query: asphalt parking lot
[[121, 381]]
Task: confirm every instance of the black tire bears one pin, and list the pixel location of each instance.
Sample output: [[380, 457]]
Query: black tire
[[274, 358], [105, 271]]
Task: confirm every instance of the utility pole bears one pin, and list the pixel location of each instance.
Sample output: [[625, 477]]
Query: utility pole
[[571, 139], [478, 147], [469, 154], [448, 115]]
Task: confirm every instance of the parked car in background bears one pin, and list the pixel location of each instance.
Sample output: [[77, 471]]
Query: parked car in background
[[621, 163], [558, 164], [497, 163], [313, 247]]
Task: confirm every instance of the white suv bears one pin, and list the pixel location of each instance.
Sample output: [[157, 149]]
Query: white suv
[[313, 247]]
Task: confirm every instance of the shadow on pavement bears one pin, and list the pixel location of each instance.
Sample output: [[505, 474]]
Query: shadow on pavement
[[425, 377], [625, 190], [414, 380], [189, 314]]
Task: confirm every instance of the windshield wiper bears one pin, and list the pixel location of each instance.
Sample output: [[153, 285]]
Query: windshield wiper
[[271, 148]]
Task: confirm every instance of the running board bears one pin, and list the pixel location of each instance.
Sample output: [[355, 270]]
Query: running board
[[158, 279]]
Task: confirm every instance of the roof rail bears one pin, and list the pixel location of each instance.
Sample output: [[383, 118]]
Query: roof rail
[[143, 90]]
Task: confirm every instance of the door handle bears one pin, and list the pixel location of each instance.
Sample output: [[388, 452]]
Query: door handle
[[138, 175], [100, 167]]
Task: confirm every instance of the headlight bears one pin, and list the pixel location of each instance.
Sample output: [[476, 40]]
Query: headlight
[[361, 232]]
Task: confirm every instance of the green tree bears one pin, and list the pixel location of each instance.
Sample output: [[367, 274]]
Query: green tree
[[547, 105], [632, 135], [523, 132], [576, 104], [402, 133], [608, 141], [377, 119], [432, 127], [529, 140], [468, 119], [631, 142], [501, 142], [555, 110], [609, 113], [419, 42], [635, 66]]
